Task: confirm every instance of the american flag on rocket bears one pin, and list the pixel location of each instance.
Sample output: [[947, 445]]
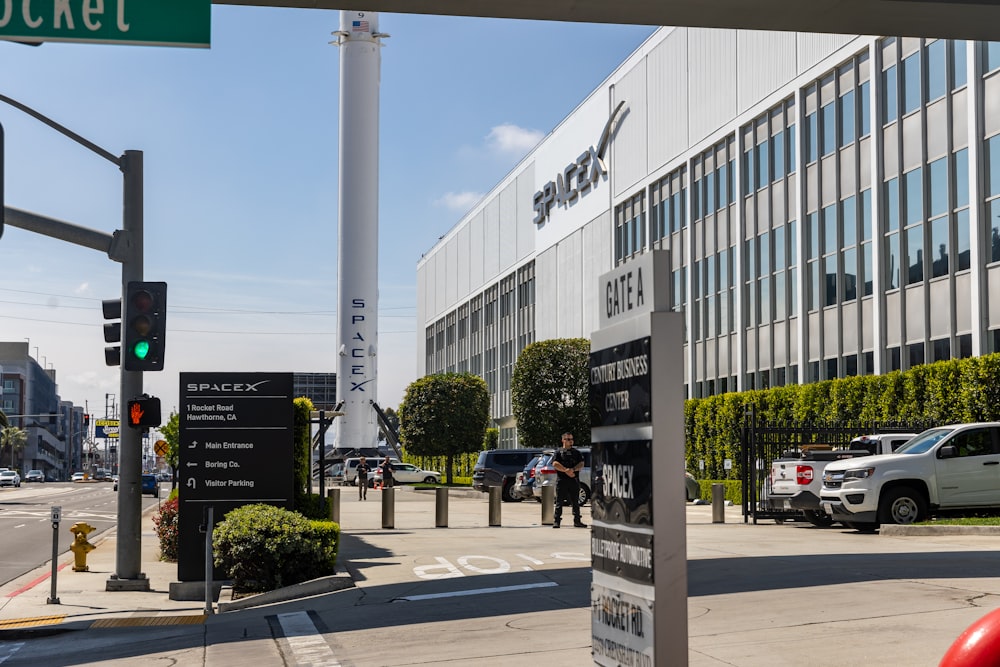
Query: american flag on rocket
[[359, 26]]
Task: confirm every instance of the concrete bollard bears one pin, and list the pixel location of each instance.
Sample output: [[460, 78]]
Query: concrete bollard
[[548, 505], [388, 507], [495, 498], [718, 503], [441, 507], [334, 496]]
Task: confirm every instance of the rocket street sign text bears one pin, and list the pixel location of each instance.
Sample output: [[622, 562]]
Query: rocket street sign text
[[145, 22]]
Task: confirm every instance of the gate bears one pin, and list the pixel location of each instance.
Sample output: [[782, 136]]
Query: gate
[[761, 442]]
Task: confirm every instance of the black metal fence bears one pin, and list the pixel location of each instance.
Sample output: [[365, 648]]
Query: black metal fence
[[761, 442]]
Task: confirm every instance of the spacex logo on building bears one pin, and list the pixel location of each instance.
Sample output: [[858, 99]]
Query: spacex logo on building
[[578, 178]]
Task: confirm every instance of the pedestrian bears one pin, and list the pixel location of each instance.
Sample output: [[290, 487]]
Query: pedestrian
[[363, 470], [386, 474], [568, 461]]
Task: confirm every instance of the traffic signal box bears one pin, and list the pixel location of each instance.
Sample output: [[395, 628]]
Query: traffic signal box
[[144, 326], [112, 309], [144, 412]]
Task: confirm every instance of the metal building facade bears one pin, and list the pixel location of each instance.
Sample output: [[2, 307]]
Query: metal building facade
[[830, 203]]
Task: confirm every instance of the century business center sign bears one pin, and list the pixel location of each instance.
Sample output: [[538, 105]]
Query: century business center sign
[[578, 178]]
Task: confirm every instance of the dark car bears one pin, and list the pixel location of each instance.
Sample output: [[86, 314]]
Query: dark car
[[151, 485], [499, 467]]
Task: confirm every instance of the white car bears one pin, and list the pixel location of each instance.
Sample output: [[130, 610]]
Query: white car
[[10, 478], [77, 477], [407, 473]]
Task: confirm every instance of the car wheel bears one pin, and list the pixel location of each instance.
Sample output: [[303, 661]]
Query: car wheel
[[902, 505], [430, 479], [819, 519], [584, 494], [507, 493]]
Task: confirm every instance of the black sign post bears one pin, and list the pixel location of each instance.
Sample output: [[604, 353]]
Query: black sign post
[[235, 449]]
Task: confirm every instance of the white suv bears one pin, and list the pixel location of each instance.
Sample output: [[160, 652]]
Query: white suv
[[950, 467]]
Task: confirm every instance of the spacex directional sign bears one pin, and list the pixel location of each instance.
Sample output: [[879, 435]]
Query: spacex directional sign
[[145, 22]]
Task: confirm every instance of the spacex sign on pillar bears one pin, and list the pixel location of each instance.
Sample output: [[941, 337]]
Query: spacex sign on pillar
[[357, 276]]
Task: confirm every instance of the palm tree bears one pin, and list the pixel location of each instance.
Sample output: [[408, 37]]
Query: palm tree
[[13, 437]]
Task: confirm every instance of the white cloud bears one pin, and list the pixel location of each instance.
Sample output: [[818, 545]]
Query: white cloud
[[509, 138], [459, 201], [83, 289]]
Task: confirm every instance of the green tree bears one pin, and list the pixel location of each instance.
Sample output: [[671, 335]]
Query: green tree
[[444, 415], [171, 432], [301, 446], [549, 392], [13, 438]]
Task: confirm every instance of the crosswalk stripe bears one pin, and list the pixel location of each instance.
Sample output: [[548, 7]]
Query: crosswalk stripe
[[307, 644]]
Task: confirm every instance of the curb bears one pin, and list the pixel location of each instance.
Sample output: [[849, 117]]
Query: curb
[[897, 530], [335, 582]]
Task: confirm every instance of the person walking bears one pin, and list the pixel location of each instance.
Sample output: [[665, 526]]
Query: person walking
[[363, 470], [568, 461], [386, 474]]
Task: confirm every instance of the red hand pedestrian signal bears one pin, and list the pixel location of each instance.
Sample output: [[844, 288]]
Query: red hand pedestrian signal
[[144, 412], [135, 412]]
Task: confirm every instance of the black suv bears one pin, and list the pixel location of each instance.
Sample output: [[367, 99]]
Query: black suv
[[499, 467]]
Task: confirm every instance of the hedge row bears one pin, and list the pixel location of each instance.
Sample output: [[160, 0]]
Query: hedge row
[[945, 392]]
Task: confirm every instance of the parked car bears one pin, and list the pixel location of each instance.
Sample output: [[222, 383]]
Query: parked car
[[546, 474], [150, 485], [34, 476], [499, 467], [10, 478], [524, 481], [77, 477], [406, 473], [351, 468]]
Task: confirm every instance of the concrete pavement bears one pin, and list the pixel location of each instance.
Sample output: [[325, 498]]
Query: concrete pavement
[[758, 595]]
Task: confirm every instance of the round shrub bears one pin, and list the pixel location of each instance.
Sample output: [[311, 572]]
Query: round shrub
[[261, 547], [165, 521]]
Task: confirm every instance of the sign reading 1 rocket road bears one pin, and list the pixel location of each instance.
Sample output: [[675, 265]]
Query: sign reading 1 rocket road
[[235, 448]]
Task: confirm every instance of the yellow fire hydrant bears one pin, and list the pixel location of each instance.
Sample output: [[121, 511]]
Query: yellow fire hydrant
[[81, 547]]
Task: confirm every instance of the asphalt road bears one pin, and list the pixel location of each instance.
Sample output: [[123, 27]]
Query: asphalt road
[[25, 525]]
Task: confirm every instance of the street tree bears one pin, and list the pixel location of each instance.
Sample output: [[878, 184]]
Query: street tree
[[13, 438], [549, 392], [445, 414], [171, 432]]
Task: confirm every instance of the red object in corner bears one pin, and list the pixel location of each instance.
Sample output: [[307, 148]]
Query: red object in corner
[[978, 646]]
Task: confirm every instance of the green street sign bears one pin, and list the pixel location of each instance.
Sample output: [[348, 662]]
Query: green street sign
[[141, 22]]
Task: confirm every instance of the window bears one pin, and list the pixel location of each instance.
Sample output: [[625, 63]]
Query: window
[[830, 262], [916, 354], [847, 116], [965, 346], [850, 274], [938, 171], [849, 211], [962, 178], [830, 228], [811, 139], [937, 81], [939, 247], [911, 83], [828, 128], [975, 442], [812, 230], [994, 209], [865, 91], [892, 263], [958, 64], [940, 350], [962, 240], [915, 254], [763, 165], [889, 104], [991, 57], [790, 133], [866, 253], [780, 250], [866, 215], [914, 193], [892, 357], [892, 204], [993, 166], [778, 142]]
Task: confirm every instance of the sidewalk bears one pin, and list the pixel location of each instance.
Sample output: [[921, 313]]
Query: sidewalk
[[83, 598]]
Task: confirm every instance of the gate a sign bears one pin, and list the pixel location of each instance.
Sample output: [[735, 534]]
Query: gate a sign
[[638, 545], [235, 448]]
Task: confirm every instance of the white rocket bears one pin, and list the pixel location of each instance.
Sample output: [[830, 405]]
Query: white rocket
[[357, 275]]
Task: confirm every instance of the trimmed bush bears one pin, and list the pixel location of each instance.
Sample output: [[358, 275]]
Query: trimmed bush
[[261, 547], [165, 522]]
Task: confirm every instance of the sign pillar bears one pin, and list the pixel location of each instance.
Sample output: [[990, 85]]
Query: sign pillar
[[638, 543]]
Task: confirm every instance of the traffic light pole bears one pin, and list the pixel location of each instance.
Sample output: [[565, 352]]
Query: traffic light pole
[[124, 246]]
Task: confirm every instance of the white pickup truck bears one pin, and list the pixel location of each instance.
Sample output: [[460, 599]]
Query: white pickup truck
[[950, 467], [797, 478]]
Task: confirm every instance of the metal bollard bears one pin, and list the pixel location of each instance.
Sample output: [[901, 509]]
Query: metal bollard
[[388, 507], [718, 503], [334, 496], [548, 505], [441, 507], [495, 492]]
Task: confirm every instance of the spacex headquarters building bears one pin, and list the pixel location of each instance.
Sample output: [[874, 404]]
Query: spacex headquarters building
[[829, 206]]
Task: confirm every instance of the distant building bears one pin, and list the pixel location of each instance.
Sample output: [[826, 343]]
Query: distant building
[[320, 388]]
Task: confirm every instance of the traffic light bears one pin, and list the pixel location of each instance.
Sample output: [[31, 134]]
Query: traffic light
[[144, 412], [145, 324], [112, 331]]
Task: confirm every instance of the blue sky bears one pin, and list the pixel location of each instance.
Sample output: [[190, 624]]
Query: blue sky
[[240, 151]]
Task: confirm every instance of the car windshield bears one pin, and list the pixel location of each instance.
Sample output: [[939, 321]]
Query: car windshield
[[925, 441]]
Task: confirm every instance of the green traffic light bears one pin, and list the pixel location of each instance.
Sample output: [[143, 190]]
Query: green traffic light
[[141, 349]]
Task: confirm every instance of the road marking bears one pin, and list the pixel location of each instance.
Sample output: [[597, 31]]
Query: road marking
[[8, 649], [477, 591], [306, 642], [21, 525], [530, 559]]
